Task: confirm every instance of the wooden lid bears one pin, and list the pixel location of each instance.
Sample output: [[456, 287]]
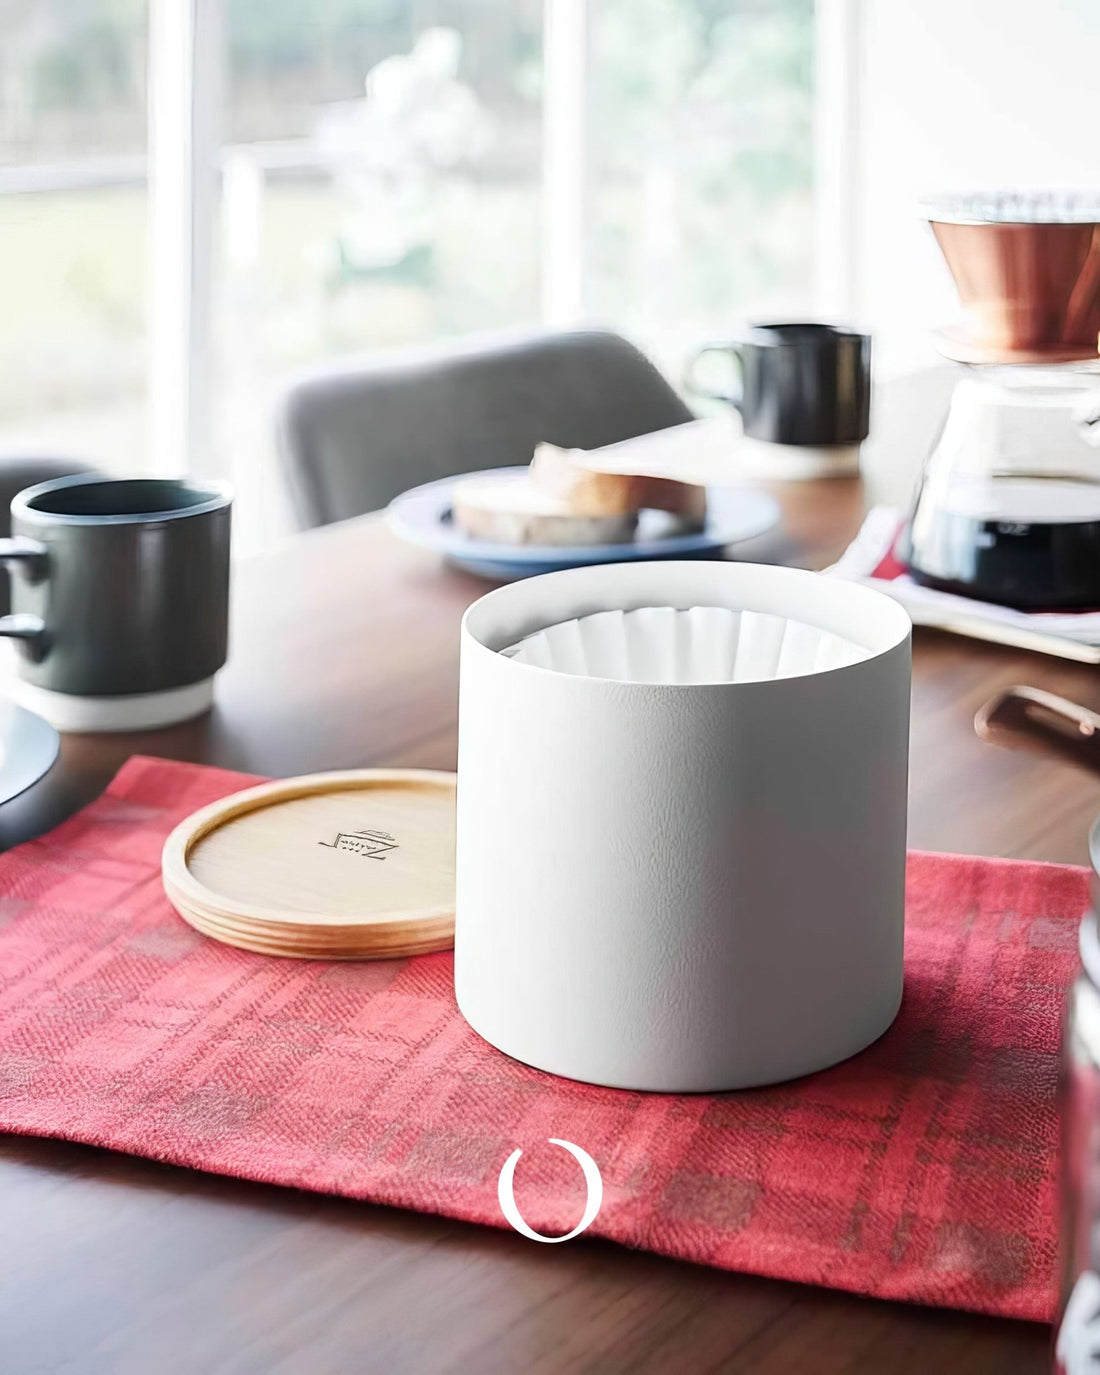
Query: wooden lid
[[342, 866]]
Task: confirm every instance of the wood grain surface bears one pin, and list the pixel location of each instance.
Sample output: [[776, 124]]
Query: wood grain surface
[[279, 868], [344, 654]]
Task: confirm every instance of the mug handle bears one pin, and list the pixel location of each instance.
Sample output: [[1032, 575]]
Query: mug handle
[[28, 630], [731, 398]]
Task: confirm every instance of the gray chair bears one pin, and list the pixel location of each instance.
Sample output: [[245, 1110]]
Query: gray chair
[[351, 440], [17, 472]]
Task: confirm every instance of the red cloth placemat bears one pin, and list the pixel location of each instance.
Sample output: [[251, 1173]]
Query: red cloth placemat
[[923, 1169]]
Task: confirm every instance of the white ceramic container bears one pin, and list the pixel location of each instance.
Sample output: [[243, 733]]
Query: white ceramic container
[[683, 885]]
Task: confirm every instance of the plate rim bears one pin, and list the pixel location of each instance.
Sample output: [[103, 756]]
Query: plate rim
[[454, 544]]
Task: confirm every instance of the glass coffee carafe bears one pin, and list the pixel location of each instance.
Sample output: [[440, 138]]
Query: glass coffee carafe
[[1009, 504]]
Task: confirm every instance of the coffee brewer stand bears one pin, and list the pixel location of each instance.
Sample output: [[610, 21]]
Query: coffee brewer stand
[[1008, 508]]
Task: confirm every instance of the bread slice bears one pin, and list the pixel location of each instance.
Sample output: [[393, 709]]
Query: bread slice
[[509, 509], [573, 477]]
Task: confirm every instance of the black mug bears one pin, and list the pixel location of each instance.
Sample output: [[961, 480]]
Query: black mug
[[120, 598], [807, 384]]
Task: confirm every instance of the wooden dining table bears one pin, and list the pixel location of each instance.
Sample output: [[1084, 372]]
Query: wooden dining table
[[345, 653]]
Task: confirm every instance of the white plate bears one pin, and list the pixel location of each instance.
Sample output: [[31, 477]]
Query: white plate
[[423, 516]]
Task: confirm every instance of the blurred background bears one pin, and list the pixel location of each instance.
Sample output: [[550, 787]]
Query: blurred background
[[347, 222], [336, 176]]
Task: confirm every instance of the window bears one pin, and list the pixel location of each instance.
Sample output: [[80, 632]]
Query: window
[[382, 182], [387, 172], [702, 169], [73, 227]]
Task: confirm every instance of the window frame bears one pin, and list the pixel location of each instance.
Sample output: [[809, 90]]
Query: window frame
[[187, 41]]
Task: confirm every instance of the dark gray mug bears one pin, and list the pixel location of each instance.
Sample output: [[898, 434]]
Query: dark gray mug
[[120, 587], [806, 384]]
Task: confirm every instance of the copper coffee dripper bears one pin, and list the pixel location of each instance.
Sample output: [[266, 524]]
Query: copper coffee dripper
[[1027, 269]]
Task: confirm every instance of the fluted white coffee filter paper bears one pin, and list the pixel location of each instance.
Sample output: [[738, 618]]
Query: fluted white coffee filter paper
[[700, 644]]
